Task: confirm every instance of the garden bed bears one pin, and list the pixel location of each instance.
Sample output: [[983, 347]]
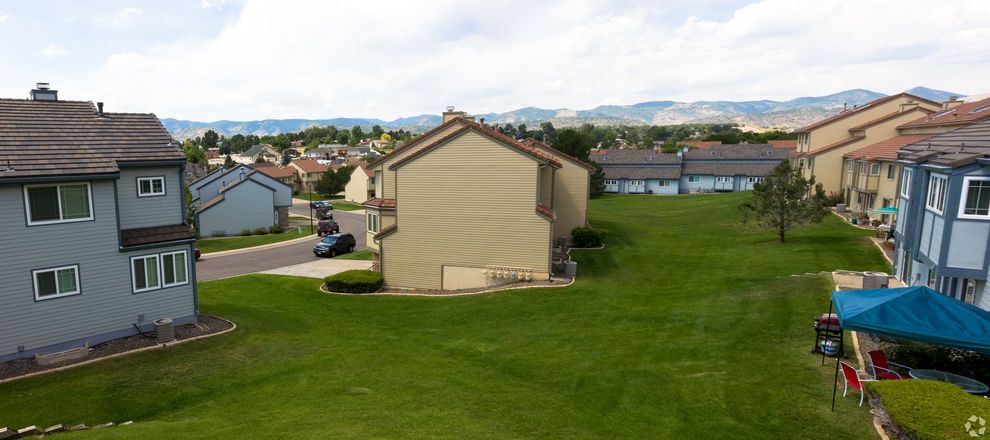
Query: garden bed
[[206, 325]]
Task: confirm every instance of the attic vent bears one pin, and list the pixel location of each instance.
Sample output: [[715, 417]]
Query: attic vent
[[714, 153], [769, 152], [653, 158], [979, 109]]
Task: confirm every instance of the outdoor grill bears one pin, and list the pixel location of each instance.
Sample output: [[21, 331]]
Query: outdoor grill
[[828, 334]]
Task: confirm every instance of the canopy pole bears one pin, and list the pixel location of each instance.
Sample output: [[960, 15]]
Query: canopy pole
[[835, 383], [828, 324], [835, 380]]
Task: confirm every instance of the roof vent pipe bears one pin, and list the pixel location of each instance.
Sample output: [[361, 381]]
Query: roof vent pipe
[[99, 109]]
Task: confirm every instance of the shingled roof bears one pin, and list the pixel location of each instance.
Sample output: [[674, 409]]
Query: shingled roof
[[642, 173], [65, 138], [962, 114], [887, 148], [628, 157], [846, 113], [953, 149]]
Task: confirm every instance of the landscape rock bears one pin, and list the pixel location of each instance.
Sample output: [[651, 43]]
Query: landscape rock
[[79, 427], [54, 428], [105, 425], [7, 433], [129, 422], [30, 430]]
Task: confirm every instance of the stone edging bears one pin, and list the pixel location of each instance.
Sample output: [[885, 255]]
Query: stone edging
[[116, 355]]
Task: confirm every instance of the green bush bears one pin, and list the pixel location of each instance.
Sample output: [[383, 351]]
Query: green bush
[[929, 409], [260, 231], [354, 281], [935, 357], [586, 237], [276, 229], [245, 232]]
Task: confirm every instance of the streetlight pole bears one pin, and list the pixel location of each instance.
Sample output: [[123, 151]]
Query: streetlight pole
[[310, 212]]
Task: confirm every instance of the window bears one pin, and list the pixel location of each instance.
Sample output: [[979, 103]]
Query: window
[[969, 291], [63, 203], [754, 179], [976, 198], [55, 282], [636, 183], [890, 171], [373, 223], [663, 182], [906, 183], [862, 168], [611, 182], [151, 186], [931, 279], [874, 169], [144, 273], [694, 179], [801, 163], [174, 270], [723, 179], [936, 193]]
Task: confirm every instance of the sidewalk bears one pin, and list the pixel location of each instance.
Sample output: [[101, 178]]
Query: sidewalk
[[320, 268]]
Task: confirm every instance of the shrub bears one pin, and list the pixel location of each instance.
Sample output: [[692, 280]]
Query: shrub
[[276, 229], [245, 232], [354, 281], [835, 199], [929, 409], [934, 357], [586, 237], [260, 231]]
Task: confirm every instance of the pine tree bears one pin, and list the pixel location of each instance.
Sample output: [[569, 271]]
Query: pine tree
[[785, 199]]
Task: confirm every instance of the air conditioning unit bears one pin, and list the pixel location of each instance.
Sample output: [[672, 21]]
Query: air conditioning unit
[[164, 331], [875, 280]]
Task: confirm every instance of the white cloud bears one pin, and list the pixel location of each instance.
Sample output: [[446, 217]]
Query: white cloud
[[3, 17], [391, 59], [54, 51], [125, 15], [213, 4]]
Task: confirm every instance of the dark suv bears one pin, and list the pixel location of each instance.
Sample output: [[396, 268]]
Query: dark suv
[[334, 244], [327, 227]]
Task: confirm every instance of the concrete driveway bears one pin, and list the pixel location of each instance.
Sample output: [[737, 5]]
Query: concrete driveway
[[320, 268], [260, 260]]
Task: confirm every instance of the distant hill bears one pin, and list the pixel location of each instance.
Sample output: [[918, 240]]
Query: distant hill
[[755, 114]]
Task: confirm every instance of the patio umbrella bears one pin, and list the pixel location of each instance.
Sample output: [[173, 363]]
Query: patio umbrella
[[890, 210], [916, 313]]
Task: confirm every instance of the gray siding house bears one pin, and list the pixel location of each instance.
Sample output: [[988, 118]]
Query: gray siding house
[[720, 168], [95, 241], [943, 223], [229, 201]]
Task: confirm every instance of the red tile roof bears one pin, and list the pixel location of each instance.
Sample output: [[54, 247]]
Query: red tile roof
[[847, 113], [275, 171], [546, 212], [557, 153], [386, 231], [310, 166], [380, 203], [960, 115], [783, 143], [887, 148]]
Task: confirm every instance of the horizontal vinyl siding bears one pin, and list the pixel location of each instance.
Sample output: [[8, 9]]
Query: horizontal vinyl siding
[[387, 189], [139, 212], [356, 189], [245, 206], [283, 191], [546, 186], [105, 304], [570, 198], [469, 203]]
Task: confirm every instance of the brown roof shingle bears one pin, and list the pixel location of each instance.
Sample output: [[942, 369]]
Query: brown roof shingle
[[275, 171], [642, 173], [310, 166], [887, 148], [155, 234], [380, 203], [847, 113], [959, 115], [58, 138]]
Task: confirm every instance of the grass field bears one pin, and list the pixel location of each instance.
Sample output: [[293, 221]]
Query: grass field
[[686, 325], [208, 245], [339, 204], [363, 254]]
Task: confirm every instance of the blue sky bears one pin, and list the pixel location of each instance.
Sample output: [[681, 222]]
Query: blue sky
[[215, 59]]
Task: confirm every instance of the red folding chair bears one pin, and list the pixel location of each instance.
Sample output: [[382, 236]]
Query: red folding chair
[[881, 368], [853, 380]]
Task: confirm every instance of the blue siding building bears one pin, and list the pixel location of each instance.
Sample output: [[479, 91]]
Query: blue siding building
[[720, 168], [228, 201], [943, 227], [95, 240]]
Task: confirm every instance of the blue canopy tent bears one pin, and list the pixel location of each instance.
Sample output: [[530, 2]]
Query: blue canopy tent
[[916, 313]]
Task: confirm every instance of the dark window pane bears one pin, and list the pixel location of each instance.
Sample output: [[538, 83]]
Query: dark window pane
[[139, 279], [145, 186], [75, 201], [67, 280], [44, 203], [46, 283], [157, 186], [168, 269]]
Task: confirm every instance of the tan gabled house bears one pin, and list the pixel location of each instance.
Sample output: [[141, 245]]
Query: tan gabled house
[[361, 186], [821, 146], [308, 172], [871, 173], [463, 206]]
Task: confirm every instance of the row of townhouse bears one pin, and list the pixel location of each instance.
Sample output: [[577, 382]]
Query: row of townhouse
[[716, 168], [227, 201], [464, 206], [96, 243]]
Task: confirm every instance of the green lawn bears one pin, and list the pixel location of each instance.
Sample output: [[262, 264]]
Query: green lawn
[[207, 245], [339, 204], [363, 254], [685, 326]]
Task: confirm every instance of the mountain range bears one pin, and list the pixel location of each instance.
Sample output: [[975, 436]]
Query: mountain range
[[755, 115]]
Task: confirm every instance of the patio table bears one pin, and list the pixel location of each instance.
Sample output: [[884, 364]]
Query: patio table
[[968, 385]]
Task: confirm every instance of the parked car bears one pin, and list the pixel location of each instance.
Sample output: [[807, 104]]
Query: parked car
[[317, 204], [197, 253], [334, 244], [327, 227]]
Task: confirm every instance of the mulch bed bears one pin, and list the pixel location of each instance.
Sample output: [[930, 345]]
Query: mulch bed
[[206, 325], [558, 281]]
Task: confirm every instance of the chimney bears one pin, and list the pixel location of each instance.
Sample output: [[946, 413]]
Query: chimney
[[482, 121], [953, 102], [43, 92], [450, 114], [99, 109], [845, 106]]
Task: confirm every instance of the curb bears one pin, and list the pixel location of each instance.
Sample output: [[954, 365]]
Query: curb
[[126, 353], [257, 248]]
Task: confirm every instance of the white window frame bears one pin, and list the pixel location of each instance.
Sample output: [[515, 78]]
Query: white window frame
[[373, 222], [937, 189], [663, 182], [158, 273], [161, 263], [637, 182], [694, 179], [965, 194], [891, 171], [906, 179], [611, 182], [151, 179], [34, 281], [875, 169], [723, 179], [754, 179], [58, 195]]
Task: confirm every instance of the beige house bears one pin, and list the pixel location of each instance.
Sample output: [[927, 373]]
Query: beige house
[[872, 172], [308, 172], [821, 145], [286, 175], [361, 187], [463, 206]]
